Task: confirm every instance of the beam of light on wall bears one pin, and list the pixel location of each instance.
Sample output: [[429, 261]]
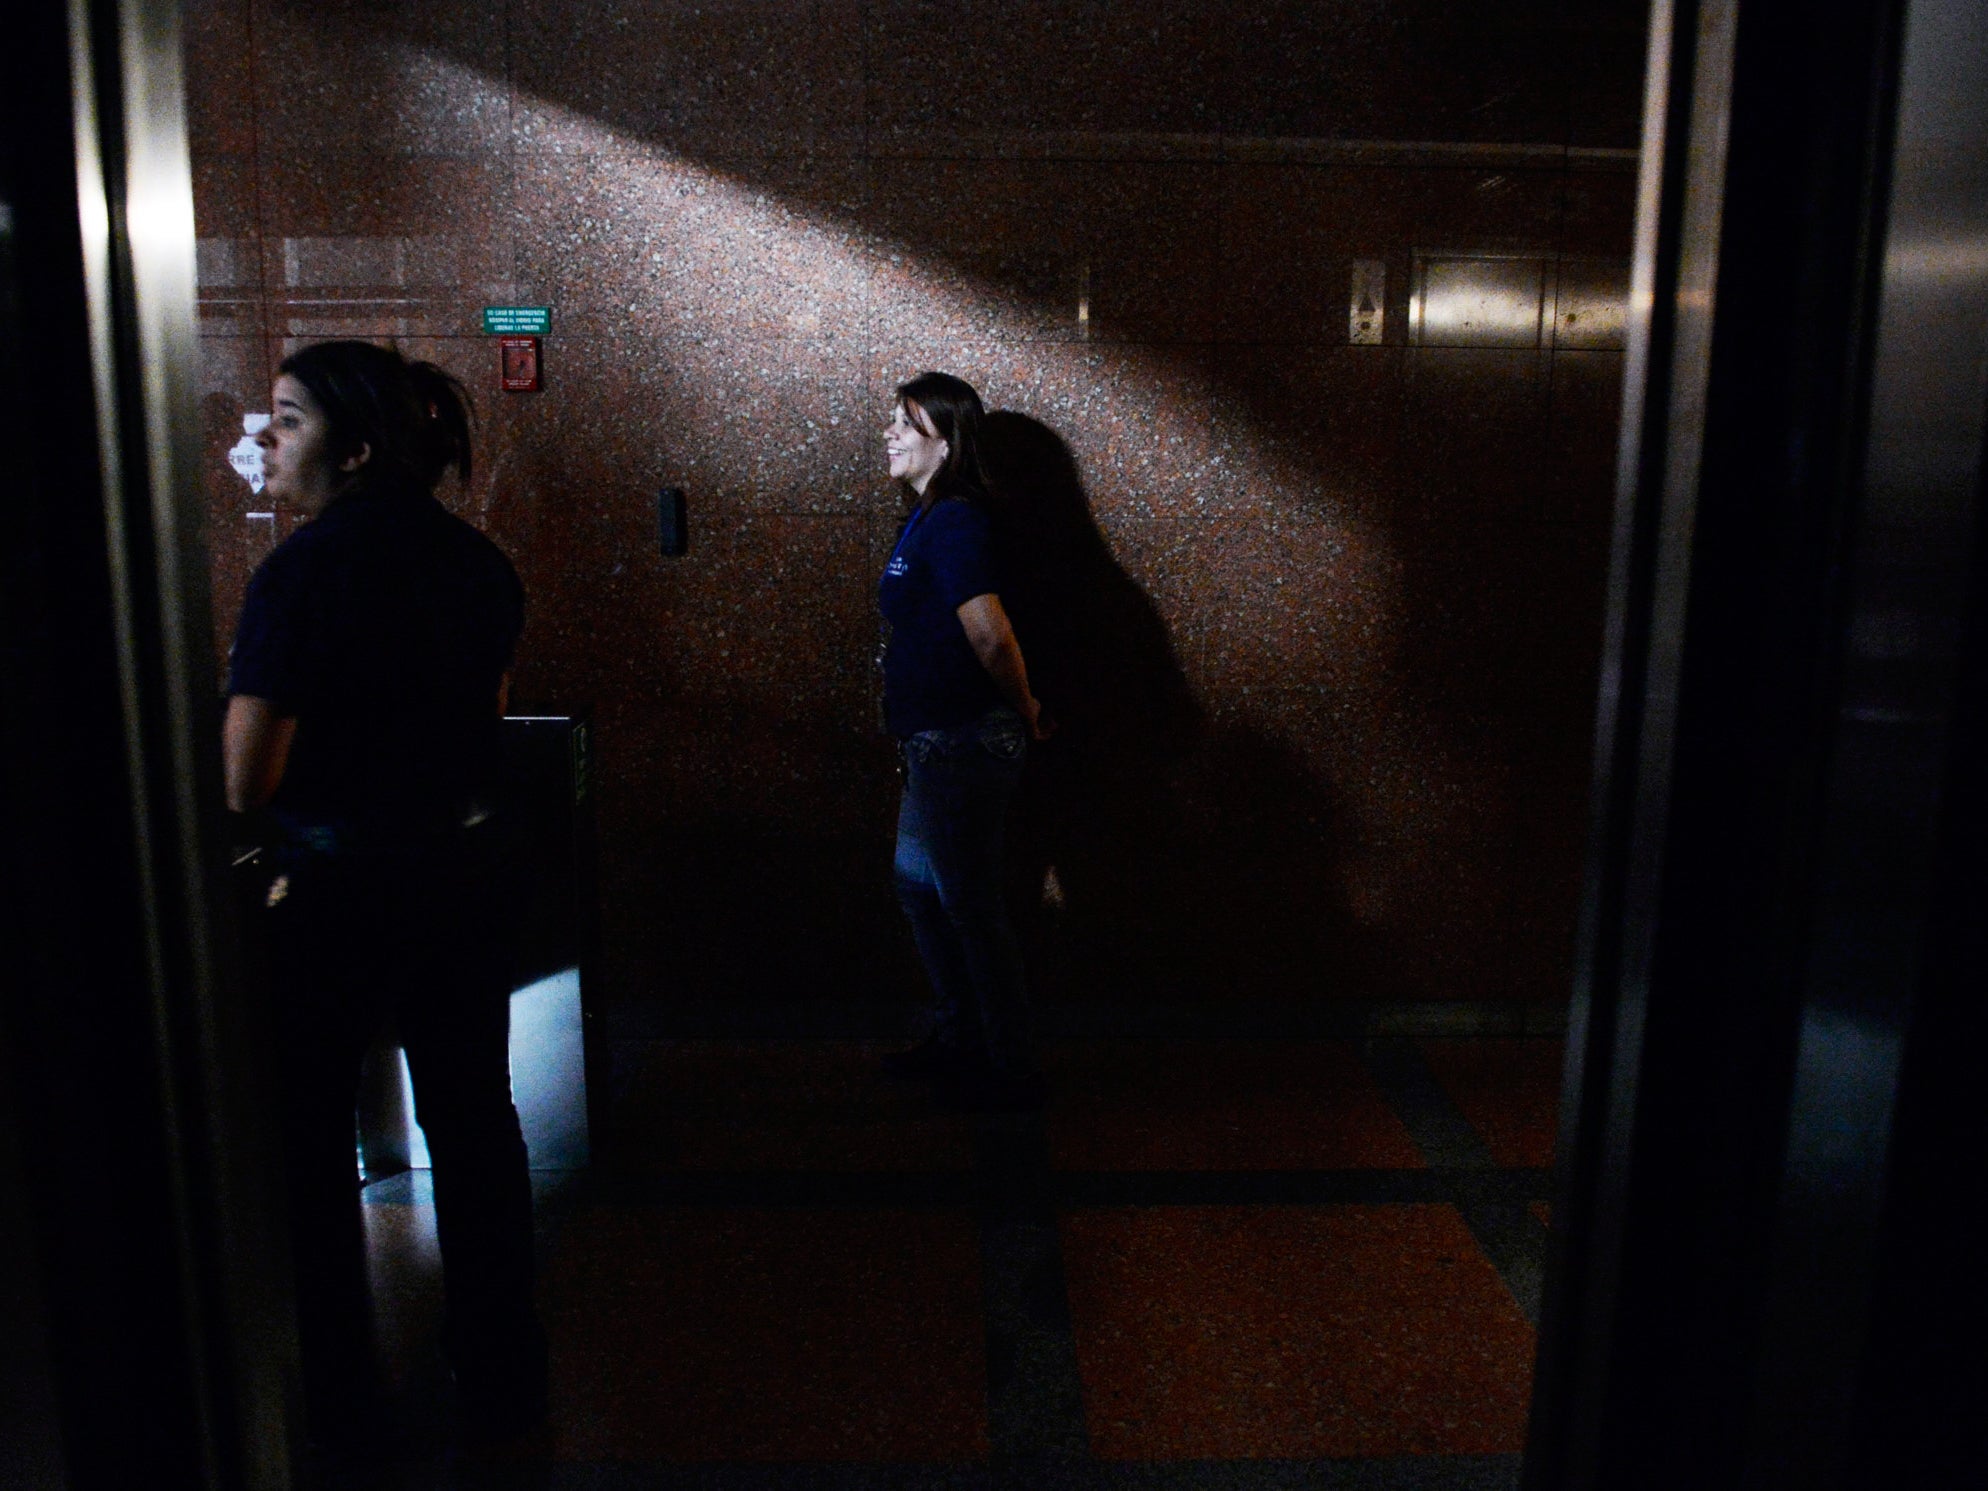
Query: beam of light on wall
[[763, 265], [708, 266]]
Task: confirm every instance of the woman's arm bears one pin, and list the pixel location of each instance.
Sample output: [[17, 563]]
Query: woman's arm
[[255, 747], [992, 637]]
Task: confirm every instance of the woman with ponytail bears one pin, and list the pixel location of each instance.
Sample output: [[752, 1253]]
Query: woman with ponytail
[[957, 697], [366, 687]]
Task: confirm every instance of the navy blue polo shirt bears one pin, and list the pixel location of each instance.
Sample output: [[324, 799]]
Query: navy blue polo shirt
[[384, 626], [943, 559]]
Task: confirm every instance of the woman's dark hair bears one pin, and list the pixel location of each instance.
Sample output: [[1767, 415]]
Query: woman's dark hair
[[955, 414], [413, 417]]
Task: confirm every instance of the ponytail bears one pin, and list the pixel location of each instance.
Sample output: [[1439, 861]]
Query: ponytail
[[413, 417], [451, 416]]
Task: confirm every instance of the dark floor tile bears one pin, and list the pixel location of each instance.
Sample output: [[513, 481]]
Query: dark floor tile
[[1508, 1089], [1219, 1105], [698, 1336], [713, 1105], [1242, 1333], [1400, 1473]]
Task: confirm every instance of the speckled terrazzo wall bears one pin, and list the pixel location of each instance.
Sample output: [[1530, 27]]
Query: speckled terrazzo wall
[[1332, 669]]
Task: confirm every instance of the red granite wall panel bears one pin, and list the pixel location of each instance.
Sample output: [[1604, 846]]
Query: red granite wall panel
[[1334, 609]]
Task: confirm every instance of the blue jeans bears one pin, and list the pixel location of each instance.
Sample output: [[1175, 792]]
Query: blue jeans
[[959, 786]]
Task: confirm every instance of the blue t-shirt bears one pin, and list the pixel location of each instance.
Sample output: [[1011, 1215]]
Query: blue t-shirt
[[944, 558], [384, 626]]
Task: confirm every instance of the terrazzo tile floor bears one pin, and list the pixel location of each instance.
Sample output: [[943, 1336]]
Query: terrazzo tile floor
[[1235, 1263]]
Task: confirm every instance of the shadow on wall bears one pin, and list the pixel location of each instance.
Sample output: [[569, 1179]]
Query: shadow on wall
[[1160, 856]]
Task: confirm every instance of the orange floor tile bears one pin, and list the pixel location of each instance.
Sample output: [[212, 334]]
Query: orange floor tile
[[1293, 1332]]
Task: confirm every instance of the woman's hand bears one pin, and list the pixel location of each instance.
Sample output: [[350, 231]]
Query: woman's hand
[[1041, 725]]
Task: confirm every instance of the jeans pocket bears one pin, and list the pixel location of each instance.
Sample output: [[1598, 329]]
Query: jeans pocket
[[1002, 735]]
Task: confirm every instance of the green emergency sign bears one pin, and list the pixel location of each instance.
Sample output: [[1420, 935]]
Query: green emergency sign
[[517, 320]]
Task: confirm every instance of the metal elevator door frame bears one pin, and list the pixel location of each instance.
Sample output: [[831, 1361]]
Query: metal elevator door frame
[[141, 1157], [1796, 580]]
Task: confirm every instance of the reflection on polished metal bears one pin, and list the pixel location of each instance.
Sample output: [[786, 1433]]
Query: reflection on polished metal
[[1797, 538], [158, 1241], [135, 200], [1367, 309], [1591, 304], [548, 1086], [1477, 300], [1518, 300], [1915, 560]]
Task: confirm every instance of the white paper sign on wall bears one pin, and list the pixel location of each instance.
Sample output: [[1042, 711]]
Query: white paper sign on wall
[[246, 456]]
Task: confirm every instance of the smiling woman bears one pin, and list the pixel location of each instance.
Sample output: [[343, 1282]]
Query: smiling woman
[[957, 697]]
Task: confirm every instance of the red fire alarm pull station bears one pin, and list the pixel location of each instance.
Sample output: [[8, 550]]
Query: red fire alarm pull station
[[518, 364]]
